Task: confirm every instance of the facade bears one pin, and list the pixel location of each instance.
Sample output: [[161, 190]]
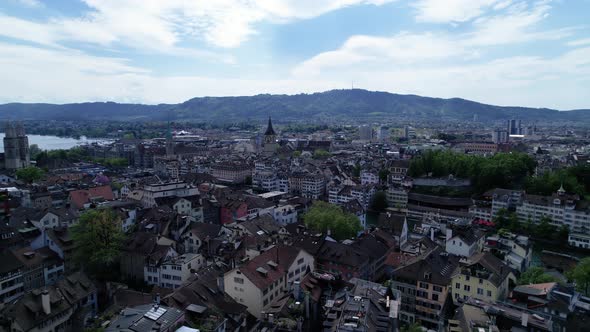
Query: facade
[[397, 197], [231, 172], [369, 177], [16, 147], [266, 277], [424, 285], [579, 241], [482, 276], [365, 133], [173, 272], [464, 242], [500, 136], [11, 277], [167, 189]]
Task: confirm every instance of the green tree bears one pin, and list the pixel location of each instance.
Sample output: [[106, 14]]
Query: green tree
[[34, 151], [98, 238], [296, 154], [379, 201], [415, 327], [534, 275], [383, 174], [323, 216], [581, 276], [30, 174], [320, 154], [545, 229], [563, 233], [513, 223], [501, 219]]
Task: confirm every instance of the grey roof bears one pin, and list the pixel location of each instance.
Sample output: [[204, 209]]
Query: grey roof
[[145, 318]]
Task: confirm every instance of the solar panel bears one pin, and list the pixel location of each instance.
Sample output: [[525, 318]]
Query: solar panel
[[155, 313]]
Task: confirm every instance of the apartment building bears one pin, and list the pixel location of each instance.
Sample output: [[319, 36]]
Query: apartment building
[[151, 192], [266, 277], [482, 276], [173, 271]]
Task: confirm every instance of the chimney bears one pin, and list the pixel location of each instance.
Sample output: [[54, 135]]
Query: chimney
[[432, 234], [46, 302], [157, 300]]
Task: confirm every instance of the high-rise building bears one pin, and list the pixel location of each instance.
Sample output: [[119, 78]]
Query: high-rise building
[[16, 147], [500, 136], [384, 134], [409, 132], [365, 133], [514, 127]]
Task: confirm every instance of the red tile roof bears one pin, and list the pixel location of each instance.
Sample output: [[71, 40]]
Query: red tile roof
[[80, 197], [283, 256]]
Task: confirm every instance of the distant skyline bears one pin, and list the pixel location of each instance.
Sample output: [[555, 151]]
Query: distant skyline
[[502, 52]]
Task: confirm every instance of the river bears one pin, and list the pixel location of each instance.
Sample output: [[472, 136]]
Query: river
[[53, 142]]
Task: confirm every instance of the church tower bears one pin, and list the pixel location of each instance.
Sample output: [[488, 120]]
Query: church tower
[[270, 139], [16, 147]]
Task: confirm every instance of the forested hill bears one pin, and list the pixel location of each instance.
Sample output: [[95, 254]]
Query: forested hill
[[332, 105]]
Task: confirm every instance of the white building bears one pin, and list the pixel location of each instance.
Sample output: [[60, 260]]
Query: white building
[[464, 243], [579, 240], [168, 189], [173, 271], [369, 177]]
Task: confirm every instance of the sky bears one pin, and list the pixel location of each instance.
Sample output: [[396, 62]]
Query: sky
[[503, 52]]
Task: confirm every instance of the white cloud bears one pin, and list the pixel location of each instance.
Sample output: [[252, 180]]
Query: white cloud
[[31, 3], [438, 11], [156, 24], [579, 42]]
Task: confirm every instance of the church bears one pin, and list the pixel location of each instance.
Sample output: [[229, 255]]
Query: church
[[16, 147], [270, 145]]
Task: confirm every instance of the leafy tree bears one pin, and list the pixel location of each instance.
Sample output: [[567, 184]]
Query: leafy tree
[[323, 216], [356, 171], [545, 229], [581, 275], [513, 223], [321, 154], [383, 174], [98, 237], [30, 174], [297, 154], [412, 328], [34, 150], [563, 233], [379, 201], [534, 275], [501, 218]]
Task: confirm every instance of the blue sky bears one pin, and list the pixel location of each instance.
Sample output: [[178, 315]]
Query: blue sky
[[506, 52]]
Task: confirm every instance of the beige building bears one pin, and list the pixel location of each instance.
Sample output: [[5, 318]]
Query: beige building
[[266, 277], [482, 276]]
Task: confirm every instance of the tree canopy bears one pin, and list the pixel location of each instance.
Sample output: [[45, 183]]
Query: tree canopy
[[574, 180], [504, 170], [379, 201], [581, 275], [323, 216], [535, 275], [98, 238], [30, 174]]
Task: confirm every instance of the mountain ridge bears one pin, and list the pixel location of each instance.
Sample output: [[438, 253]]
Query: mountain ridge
[[333, 105]]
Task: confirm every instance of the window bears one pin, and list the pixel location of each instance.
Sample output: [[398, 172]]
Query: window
[[423, 285], [239, 280], [489, 293], [435, 297], [467, 278], [467, 288], [300, 261], [479, 291], [437, 289], [480, 281], [458, 286]]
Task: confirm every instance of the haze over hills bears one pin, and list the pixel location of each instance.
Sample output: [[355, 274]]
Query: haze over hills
[[332, 105]]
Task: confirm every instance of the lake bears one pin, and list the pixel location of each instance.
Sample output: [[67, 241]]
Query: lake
[[53, 142]]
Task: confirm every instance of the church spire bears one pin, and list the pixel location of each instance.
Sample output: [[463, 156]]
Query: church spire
[[269, 129]]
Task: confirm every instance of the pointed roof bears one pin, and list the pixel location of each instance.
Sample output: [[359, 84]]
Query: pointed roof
[[269, 129]]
